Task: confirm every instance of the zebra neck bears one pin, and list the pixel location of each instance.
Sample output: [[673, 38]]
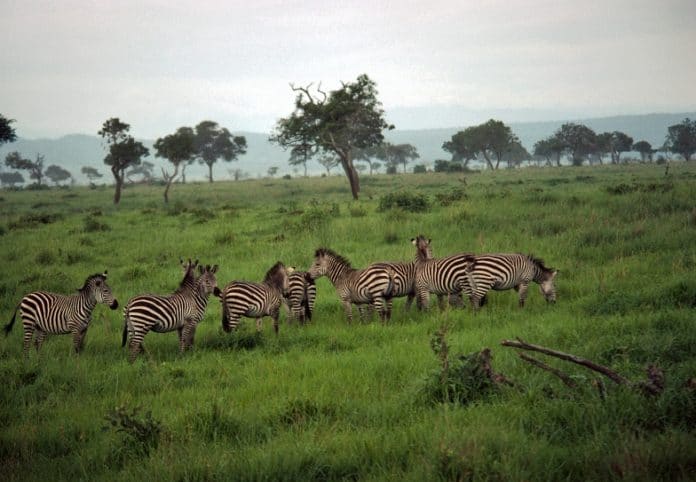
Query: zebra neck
[[338, 272]]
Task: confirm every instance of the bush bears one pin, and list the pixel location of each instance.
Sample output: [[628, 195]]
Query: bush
[[419, 169], [91, 225], [34, 219], [142, 433], [447, 198], [412, 202]]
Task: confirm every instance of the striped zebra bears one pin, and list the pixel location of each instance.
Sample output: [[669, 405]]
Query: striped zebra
[[371, 286], [49, 313], [180, 311], [403, 281], [254, 300], [302, 294], [504, 271], [448, 276]]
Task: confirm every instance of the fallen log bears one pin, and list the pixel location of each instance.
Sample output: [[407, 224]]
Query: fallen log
[[540, 364]]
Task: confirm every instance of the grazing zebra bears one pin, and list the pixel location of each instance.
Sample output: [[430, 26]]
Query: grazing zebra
[[52, 313], [504, 271], [371, 286], [254, 300], [442, 276], [302, 293], [181, 311]]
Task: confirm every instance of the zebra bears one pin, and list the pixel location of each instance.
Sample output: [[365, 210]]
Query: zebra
[[302, 294], [371, 286], [50, 313], [403, 280], [442, 276], [181, 311], [504, 271], [254, 300]]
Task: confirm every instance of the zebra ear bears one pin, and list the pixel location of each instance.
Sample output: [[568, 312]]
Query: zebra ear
[[214, 269], [105, 273], [554, 273], [200, 269], [413, 241], [290, 269]]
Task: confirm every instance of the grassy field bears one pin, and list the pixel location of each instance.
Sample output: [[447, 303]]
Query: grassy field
[[330, 401]]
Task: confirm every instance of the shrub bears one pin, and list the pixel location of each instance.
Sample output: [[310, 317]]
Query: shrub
[[447, 198], [419, 169], [357, 211], [413, 202], [91, 224], [142, 433], [34, 219]]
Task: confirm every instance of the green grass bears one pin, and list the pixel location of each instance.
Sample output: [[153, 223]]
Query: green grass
[[330, 401]]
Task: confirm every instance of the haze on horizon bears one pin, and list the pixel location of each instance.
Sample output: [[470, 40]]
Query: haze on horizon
[[68, 66]]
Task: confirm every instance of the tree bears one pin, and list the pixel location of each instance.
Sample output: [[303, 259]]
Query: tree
[[551, 148], [14, 160], [619, 142], [645, 149], [91, 173], [459, 147], [144, 169], [178, 148], [578, 140], [371, 156], [57, 174], [491, 139], [329, 162], [337, 123], [272, 171], [681, 138], [213, 142], [11, 178], [7, 132], [516, 155], [602, 146], [399, 154], [124, 151]]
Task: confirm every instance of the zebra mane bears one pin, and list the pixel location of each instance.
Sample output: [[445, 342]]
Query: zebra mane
[[333, 254], [90, 278], [538, 262], [272, 274]]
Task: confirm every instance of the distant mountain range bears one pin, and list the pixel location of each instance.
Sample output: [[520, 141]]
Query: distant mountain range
[[74, 151]]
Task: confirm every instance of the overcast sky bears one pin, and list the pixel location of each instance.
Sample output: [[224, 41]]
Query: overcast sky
[[66, 66]]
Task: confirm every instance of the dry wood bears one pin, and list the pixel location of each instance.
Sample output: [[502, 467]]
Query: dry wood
[[485, 363], [612, 375], [540, 364]]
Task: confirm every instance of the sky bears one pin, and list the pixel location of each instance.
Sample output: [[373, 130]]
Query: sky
[[67, 66]]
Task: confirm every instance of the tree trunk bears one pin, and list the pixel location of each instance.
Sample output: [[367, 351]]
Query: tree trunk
[[210, 171], [305, 167], [119, 184], [169, 179], [488, 160], [352, 176]]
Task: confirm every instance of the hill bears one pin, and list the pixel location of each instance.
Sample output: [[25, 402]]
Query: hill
[[77, 150]]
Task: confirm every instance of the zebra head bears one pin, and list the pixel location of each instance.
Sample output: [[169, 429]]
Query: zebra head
[[96, 286], [206, 283], [321, 263], [423, 249], [277, 278], [545, 277]]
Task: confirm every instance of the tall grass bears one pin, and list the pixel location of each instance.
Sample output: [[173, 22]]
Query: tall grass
[[329, 401]]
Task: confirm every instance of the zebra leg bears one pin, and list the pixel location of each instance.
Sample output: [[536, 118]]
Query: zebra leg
[[523, 293], [423, 299], [182, 343], [409, 301], [135, 346], [189, 334], [390, 303], [79, 339], [441, 302], [28, 335], [275, 316], [40, 337], [349, 311]]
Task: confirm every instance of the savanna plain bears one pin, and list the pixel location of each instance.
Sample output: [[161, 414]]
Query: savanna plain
[[332, 401]]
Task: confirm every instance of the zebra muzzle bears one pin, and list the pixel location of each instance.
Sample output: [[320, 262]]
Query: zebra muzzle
[[114, 305]]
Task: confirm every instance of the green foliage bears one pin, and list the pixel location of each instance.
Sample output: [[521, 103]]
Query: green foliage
[[141, 433], [33, 220], [447, 198], [92, 224], [408, 201]]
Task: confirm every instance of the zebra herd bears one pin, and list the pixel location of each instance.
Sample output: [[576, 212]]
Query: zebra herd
[[371, 289]]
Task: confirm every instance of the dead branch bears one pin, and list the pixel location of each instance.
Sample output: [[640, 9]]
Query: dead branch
[[540, 364], [484, 359], [655, 384], [612, 375]]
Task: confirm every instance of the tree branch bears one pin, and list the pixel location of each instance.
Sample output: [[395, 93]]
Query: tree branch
[[540, 364]]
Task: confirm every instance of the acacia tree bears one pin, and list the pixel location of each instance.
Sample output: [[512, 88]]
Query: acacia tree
[[91, 173], [328, 162], [516, 155], [578, 139], [460, 149], [551, 148], [370, 156], [300, 154], [213, 142], [15, 160], [399, 154], [337, 123], [11, 178], [124, 151], [57, 174], [681, 138], [645, 149], [178, 148], [7, 132], [619, 142], [490, 139]]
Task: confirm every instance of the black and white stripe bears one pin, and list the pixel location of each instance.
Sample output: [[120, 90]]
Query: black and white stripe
[[371, 286], [505, 271], [403, 281], [301, 296], [254, 300], [181, 311], [448, 276], [50, 313]]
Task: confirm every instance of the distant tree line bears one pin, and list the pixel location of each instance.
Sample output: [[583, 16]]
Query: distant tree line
[[343, 127]]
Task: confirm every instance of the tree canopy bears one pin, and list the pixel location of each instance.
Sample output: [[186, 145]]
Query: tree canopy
[[551, 148], [491, 139], [578, 140], [213, 142], [57, 174], [15, 160], [178, 148], [681, 138], [645, 149], [7, 132], [339, 122]]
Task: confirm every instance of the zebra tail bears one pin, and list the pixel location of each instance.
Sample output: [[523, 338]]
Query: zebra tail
[[8, 327], [390, 284], [124, 337]]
